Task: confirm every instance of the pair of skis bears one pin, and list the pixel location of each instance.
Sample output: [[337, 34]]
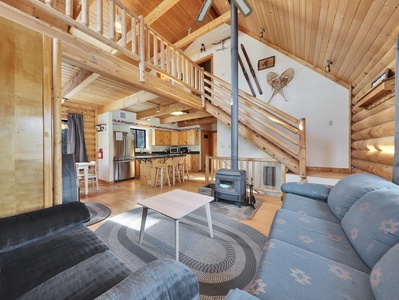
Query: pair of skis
[[251, 70]]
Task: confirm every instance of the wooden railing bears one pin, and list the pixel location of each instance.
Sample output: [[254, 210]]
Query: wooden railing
[[287, 134], [277, 133], [254, 168]]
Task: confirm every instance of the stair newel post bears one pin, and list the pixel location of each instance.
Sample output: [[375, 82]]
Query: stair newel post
[[234, 86], [302, 149], [141, 49]]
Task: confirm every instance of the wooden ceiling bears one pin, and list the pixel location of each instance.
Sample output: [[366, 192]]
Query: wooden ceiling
[[354, 35]]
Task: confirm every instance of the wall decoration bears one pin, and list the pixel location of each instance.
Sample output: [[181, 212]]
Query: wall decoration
[[279, 82], [266, 63]]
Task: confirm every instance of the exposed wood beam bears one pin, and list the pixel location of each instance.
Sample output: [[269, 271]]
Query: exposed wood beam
[[82, 79], [130, 100], [159, 11], [193, 122], [189, 116], [163, 110], [203, 30]]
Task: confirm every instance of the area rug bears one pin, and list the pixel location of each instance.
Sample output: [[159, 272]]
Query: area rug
[[98, 212], [226, 261], [229, 209]]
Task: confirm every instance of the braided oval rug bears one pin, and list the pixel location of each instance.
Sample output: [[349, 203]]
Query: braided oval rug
[[226, 261]]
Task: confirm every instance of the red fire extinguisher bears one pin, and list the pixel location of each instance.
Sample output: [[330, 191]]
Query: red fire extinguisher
[[100, 153]]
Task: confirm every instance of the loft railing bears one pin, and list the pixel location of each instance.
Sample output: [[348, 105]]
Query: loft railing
[[115, 25], [255, 171]]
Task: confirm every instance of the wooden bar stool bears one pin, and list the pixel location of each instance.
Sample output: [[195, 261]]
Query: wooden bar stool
[[174, 169], [162, 170], [183, 171]]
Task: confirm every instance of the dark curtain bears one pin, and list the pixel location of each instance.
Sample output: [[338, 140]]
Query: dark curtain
[[75, 138], [395, 177]]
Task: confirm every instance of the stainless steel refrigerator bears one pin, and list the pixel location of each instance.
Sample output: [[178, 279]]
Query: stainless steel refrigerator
[[124, 167]]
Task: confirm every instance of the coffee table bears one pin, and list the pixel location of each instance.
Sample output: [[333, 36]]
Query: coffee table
[[175, 204]]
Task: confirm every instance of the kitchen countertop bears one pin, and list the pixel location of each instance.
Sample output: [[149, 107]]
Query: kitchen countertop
[[159, 155]]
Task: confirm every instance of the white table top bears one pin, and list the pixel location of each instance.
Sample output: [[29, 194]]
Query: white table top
[[176, 204], [86, 164]]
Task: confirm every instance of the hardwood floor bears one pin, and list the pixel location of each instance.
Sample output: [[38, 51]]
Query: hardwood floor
[[123, 196]]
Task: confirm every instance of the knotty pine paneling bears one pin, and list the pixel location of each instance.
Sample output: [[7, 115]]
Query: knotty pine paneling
[[21, 120]]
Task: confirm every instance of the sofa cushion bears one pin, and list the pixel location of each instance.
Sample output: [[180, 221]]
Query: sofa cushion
[[372, 224], [351, 188], [310, 207], [289, 272], [31, 265], [384, 277], [17, 231], [321, 237], [311, 190]]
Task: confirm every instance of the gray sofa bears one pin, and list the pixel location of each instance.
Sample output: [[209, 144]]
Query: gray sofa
[[333, 243], [50, 254]]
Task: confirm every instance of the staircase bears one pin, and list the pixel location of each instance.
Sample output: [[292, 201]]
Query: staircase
[[278, 134]]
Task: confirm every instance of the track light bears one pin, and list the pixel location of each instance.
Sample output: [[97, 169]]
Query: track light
[[327, 67]]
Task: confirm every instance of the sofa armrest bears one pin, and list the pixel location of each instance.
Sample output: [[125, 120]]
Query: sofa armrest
[[238, 294], [164, 279], [311, 190], [19, 230]]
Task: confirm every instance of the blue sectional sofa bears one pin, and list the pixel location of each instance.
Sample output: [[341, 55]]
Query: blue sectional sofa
[[327, 242], [50, 254]]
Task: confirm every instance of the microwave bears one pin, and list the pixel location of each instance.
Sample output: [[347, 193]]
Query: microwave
[[174, 150]]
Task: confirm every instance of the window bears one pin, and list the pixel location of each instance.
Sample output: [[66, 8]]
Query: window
[[139, 138]]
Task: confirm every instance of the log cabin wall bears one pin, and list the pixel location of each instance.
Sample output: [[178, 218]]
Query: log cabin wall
[[25, 120], [89, 121], [373, 127]]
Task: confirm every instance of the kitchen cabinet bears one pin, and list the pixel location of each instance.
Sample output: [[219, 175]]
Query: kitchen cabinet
[[161, 137], [174, 138], [166, 138], [192, 161], [193, 137], [183, 137]]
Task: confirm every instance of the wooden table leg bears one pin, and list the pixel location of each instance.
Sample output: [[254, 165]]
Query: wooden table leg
[[143, 219], [208, 216], [177, 239]]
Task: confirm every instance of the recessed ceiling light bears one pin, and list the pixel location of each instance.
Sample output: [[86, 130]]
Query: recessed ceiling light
[[178, 113]]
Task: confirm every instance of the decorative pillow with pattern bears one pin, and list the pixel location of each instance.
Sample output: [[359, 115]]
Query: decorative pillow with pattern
[[372, 224], [384, 277], [351, 188]]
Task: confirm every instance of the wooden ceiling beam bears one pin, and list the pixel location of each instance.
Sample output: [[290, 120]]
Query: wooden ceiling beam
[[130, 100], [163, 110], [159, 11], [189, 116], [81, 80], [193, 122], [203, 30]]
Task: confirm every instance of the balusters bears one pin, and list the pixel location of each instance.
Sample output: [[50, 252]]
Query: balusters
[[123, 25], [69, 8], [133, 34], [111, 20], [100, 16], [85, 12]]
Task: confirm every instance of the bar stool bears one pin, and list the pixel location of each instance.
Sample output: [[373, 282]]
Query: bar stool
[[174, 169], [161, 169], [183, 170]]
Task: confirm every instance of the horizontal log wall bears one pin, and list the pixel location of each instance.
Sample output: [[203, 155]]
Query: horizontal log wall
[[373, 132], [89, 122]]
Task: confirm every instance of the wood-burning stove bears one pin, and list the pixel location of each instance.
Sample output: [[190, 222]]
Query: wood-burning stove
[[230, 185]]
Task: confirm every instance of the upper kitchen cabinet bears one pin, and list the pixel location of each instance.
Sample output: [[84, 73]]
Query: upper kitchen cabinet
[[174, 138], [192, 137], [182, 137], [161, 137]]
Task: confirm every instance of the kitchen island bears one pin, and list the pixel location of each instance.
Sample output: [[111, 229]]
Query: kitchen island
[[148, 163]]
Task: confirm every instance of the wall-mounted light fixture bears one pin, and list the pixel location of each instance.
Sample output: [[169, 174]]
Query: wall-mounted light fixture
[[203, 47], [158, 109], [327, 67], [261, 32]]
